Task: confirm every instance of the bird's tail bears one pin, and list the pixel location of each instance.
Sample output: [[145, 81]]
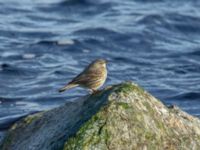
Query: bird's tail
[[68, 86]]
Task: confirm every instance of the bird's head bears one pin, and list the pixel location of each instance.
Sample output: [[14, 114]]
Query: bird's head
[[99, 63]]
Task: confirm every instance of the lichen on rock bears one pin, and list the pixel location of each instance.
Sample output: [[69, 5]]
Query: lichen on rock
[[120, 117], [133, 119]]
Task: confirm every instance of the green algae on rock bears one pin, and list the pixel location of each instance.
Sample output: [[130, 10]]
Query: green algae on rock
[[49, 130], [121, 117], [133, 119]]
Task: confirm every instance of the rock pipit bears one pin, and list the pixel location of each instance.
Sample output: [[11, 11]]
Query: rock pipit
[[92, 77]]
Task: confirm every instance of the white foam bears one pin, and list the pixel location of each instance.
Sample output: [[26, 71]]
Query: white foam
[[65, 42], [28, 56]]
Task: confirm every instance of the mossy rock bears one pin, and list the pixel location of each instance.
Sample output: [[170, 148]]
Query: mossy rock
[[133, 119], [120, 117]]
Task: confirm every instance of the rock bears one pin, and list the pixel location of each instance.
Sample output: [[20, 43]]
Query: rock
[[133, 119], [49, 130], [122, 117], [2, 133]]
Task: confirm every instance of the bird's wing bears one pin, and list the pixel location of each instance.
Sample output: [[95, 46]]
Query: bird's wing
[[84, 77]]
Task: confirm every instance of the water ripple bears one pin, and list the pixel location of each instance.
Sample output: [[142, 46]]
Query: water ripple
[[46, 43]]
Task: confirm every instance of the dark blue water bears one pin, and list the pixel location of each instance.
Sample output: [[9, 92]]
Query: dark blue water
[[44, 43]]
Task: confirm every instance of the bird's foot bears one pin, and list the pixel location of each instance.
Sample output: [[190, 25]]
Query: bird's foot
[[92, 91]]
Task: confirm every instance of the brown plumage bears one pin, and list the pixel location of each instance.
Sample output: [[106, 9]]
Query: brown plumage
[[92, 77]]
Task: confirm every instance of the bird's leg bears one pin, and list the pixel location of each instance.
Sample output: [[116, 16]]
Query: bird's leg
[[92, 91], [95, 91]]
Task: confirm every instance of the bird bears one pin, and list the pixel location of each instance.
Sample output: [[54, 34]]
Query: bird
[[92, 77]]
